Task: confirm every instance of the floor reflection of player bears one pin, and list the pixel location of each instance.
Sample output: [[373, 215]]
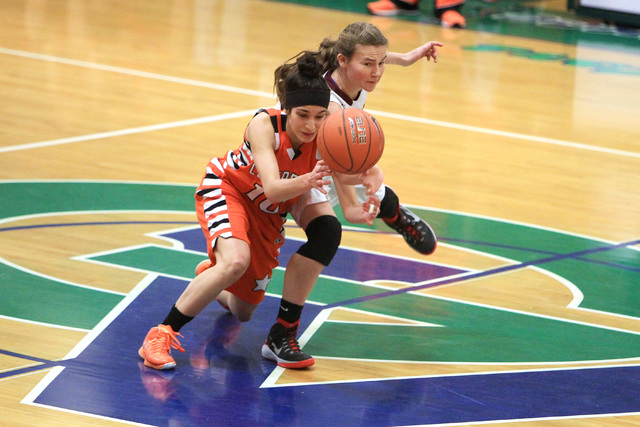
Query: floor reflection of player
[[221, 378], [225, 333]]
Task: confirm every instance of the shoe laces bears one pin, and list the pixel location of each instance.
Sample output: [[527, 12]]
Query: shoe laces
[[293, 344], [413, 232], [291, 340], [408, 226], [165, 340]]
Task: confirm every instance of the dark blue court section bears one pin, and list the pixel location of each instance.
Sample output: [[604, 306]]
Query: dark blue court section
[[216, 381], [218, 378], [347, 264]]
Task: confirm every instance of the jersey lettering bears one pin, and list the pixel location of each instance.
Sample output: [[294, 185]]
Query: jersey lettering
[[265, 205]]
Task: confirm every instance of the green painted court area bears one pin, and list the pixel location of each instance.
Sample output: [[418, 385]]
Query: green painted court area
[[468, 333], [518, 18], [606, 274]]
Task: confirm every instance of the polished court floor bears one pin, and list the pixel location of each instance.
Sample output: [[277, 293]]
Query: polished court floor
[[520, 147]]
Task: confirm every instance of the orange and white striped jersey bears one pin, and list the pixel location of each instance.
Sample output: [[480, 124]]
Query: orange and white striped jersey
[[230, 202], [238, 167]]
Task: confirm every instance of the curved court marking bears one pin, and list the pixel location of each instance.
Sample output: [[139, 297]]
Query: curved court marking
[[576, 292], [526, 313], [411, 289], [520, 223], [48, 325], [57, 367], [62, 281], [578, 296]]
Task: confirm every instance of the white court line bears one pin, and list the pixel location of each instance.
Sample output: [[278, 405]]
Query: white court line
[[44, 383], [113, 314], [30, 398], [272, 384], [136, 73], [233, 89], [506, 134], [129, 131]]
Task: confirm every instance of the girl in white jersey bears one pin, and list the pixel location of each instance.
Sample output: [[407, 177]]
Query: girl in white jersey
[[353, 66]]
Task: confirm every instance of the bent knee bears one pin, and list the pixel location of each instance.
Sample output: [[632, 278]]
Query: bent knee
[[242, 310], [235, 268], [323, 239], [244, 316], [232, 257]]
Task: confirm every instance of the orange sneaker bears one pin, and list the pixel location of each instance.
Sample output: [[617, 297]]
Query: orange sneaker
[[444, 4], [452, 19], [156, 347], [390, 8], [203, 265]]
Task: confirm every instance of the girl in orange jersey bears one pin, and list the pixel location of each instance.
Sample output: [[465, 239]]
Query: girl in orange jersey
[[242, 203]]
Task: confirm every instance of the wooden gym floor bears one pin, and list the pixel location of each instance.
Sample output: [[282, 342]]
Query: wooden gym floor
[[520, 147]]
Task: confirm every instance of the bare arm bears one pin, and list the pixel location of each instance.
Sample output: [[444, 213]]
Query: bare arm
[[354, 211], [260, 134], [371, 179], [428, 50]]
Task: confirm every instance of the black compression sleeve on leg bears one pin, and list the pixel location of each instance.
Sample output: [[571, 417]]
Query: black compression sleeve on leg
[[323, 239], [389, 204]]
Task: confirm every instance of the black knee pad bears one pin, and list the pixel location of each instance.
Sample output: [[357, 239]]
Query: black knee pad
[[323, 239]]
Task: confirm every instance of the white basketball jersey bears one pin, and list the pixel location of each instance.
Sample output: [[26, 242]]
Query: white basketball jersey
[[341, 98]]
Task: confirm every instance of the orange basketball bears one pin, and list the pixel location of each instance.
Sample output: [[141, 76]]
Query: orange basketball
[[350, 141]]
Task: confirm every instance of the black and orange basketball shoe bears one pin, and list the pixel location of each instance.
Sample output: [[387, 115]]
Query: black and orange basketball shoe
[[416, 232]]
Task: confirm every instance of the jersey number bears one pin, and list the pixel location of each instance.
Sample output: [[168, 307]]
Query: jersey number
[[265, 205]]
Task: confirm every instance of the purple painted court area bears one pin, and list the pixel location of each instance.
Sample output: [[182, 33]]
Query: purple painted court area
[[218, 381], [347, 264]]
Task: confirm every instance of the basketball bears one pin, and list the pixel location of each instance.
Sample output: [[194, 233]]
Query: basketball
[[350, 141]]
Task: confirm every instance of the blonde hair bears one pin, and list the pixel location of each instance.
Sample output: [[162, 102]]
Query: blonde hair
[[358, 33], [326, 57]]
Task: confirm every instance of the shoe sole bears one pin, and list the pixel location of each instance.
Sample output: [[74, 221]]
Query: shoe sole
[[435, 238], [267, 353], [169, 365]]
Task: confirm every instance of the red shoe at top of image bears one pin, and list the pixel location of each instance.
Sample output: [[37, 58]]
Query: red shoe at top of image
[[393, 8], [452, 19]]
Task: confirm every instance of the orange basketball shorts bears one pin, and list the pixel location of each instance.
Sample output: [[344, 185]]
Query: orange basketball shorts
[[223, 212]]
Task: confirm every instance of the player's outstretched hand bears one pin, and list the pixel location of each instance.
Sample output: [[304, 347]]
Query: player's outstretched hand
[[317, 176], [372, 180], [370, 209], [428, 50]]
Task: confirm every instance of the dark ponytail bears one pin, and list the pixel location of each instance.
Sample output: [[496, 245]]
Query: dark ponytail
[[302, 73]]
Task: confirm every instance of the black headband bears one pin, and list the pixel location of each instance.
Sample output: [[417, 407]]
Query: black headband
[[297, 98]]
